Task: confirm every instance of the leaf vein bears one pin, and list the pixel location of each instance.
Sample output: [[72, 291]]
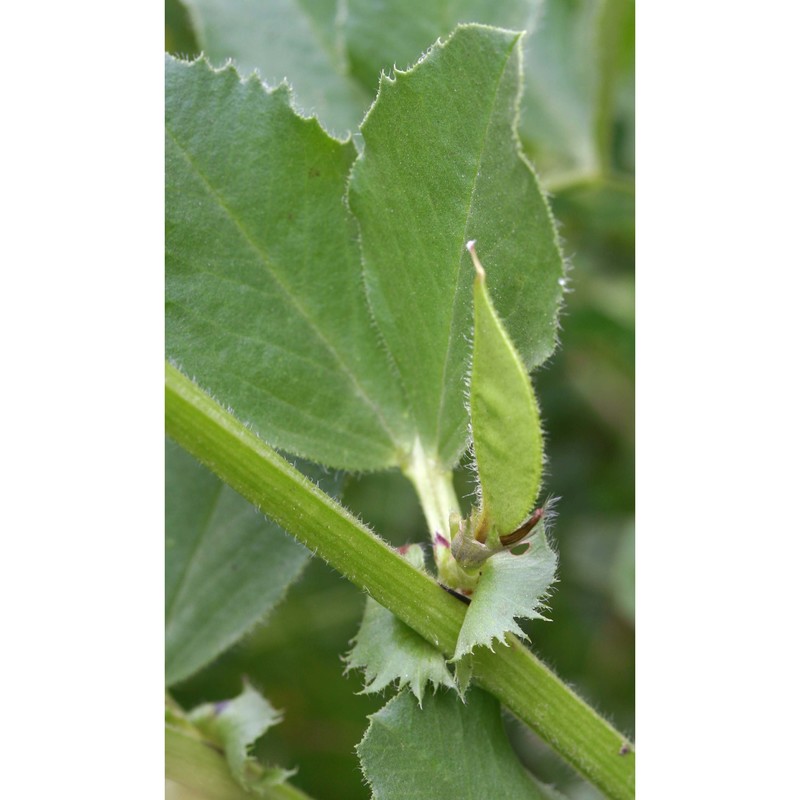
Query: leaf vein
[[293, 300]]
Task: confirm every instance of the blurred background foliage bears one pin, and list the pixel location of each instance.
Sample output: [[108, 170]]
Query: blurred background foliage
[[577, 126]]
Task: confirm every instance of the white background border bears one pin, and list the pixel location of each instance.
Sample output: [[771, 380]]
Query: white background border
[[717, 399]]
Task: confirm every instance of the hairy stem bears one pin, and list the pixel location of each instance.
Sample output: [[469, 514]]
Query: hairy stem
[[434, 487], [513, 674]]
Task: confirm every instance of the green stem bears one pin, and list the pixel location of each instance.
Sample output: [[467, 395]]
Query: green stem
[[434, 487], [512, 674], [570, 726]]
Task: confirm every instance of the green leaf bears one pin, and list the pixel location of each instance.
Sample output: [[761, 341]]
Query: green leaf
[[504, 417], [571, 66], [558, 108], [235, 725], [264, 297], [441, 165], [380, 36], [511, 586], [615, 70], [388, 650], [178, 31], [569, 105], [449, 750], [226, 565], [296, 40]]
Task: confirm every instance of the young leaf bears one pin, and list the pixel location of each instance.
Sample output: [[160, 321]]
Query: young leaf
[[506, 433], [226, 565], [388, 650], [286, 40], [441, 163], [511, 586], [449, 750], [235, 725], [264, 297]]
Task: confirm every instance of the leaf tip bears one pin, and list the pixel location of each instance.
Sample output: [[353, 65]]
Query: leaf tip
[[481, 272]]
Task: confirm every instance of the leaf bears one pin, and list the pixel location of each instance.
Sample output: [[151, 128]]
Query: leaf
[[615, 80], [264, 297], [504, 417], [388, 650], [441, 164], [511, 586], [296, 40], [226, 565], [569, 105], [250, 307], [235, 725], [178, 31], [449, 750], [380, 36]]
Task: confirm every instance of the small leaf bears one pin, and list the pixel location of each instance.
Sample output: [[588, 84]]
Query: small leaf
[[235, 725], [511, 586], [504, 416], [388, 650], [441, 161], [226, 565], [464, 670], [448, 751]]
